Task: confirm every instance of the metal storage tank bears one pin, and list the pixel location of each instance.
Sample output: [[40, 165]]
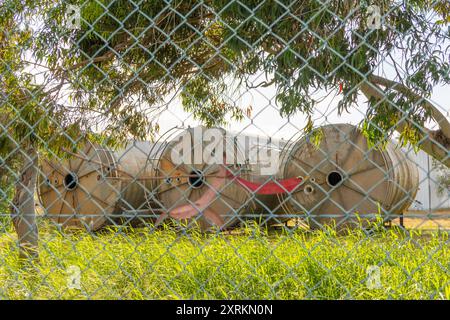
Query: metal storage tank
[[184, 183], [95, 186], [344, 176], [98, 186], [267, 208]]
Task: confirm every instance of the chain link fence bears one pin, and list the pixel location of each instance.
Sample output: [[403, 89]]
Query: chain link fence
[[224, 149]]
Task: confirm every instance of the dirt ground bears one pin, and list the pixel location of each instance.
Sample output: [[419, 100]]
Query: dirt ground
[[439, 219], [436, 220]]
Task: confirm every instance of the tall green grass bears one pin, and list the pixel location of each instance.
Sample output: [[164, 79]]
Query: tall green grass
[[250, 264]]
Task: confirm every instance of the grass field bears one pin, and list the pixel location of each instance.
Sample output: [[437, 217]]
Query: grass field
[[419, 220], [250, 263]]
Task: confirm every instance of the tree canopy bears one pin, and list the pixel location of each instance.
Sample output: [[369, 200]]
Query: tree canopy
[[127, 57]]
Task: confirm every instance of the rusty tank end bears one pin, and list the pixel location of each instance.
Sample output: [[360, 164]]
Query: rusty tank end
[[344, 177], [96, 185]]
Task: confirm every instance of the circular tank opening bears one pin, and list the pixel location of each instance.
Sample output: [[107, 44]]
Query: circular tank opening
[[70, 181], [334, 178], [309, 189], [196, 179]]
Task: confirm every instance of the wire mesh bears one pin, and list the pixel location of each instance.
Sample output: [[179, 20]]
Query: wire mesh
[[224, 149]]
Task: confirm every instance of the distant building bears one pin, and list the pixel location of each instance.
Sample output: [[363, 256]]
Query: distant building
[[428, 197]]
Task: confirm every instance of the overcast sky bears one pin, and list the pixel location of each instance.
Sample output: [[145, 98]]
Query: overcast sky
[[266, 119]]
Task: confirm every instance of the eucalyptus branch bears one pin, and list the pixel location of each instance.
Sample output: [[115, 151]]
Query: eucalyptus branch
[[431, 141], [436, 114]]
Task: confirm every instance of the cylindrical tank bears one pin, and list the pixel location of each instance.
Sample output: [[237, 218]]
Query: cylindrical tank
[[344, 178], [98, 186], [266, 208], [95, 186], [191, 166]]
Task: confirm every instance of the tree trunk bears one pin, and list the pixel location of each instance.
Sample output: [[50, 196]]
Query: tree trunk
[[23, 207], [434, 142]]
